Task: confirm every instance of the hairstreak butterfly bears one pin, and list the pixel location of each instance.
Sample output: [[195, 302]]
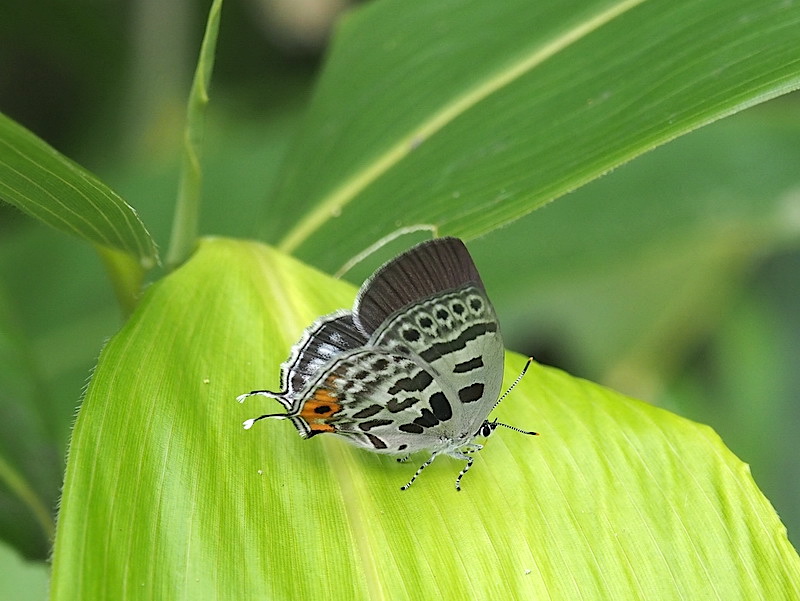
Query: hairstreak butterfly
[[416, 365]]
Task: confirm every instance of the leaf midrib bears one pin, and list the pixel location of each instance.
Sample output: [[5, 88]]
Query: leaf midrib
[[332, 203]]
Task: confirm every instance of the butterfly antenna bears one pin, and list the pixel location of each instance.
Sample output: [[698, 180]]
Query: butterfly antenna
[[520, 430], [514, 383]]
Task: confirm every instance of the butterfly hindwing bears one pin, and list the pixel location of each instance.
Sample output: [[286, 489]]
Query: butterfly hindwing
[[326, 338], [384, 401]]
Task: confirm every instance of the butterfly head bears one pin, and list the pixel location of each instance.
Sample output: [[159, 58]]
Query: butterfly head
[[487, 427]]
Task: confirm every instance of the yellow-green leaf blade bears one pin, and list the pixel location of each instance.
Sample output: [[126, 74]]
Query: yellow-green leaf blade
[[48, 186], [167, 497]]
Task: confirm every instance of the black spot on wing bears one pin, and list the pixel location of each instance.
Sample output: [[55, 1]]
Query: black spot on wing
[[380, 364], [367, 412], [419, 382], [411, 335], [396, 406], [427, 419], [441, 406], [373, 423], [376, 442], [412, 428], [467, 366], [472, 393], [440, 349]]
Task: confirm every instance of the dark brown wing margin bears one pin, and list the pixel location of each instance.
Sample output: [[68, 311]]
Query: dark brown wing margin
[[427, 269]]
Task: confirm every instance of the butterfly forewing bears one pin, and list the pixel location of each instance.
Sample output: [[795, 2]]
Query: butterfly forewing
[[457, 335]]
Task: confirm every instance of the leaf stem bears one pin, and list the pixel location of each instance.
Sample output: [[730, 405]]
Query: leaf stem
[[126, 275]]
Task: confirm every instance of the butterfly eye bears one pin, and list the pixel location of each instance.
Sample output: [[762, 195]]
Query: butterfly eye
[[486, 428]]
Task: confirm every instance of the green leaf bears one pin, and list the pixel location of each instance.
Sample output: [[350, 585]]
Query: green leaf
[[462, 116], [187, 210], [167, 497], [633, 270], [48, 186]]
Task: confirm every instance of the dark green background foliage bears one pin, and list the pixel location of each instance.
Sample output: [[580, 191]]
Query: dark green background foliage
[[674, 279]]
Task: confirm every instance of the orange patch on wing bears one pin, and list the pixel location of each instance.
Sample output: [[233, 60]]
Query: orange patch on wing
[[317, 428], [323, 395], [320, 407]]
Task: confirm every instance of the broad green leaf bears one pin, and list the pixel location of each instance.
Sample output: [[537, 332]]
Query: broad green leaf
[[462, 116], [48, 186], [631, 271], [167, 497]]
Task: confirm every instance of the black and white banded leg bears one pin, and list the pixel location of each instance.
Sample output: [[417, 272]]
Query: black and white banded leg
[[462, 454], [418, 472], [465, 454]]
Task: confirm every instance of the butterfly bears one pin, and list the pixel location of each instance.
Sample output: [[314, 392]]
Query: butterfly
[[417, 365]]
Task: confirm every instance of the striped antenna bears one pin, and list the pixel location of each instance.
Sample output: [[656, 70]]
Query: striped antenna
[[514, 383]]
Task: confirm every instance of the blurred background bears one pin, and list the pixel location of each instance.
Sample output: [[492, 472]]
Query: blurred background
[[675, 279]]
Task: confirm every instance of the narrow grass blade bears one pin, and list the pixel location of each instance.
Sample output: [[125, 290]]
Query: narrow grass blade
[[187, 210], [48, 186]]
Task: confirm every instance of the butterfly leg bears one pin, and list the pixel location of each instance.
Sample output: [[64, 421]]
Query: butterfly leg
[[418, 472], [465, 454], [403, 459]]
